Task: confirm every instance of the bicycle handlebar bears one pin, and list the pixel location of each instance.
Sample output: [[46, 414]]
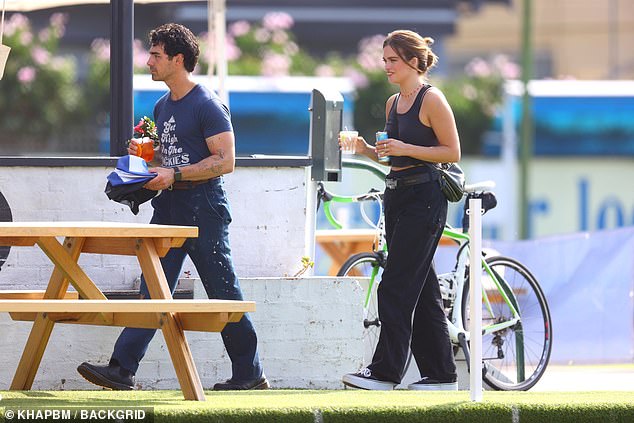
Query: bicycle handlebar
[[477, 190], [376, 169], [328, 197]]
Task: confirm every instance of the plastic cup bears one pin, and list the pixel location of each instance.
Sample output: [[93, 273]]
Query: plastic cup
[[4, 54], [348, 141], [145, 149]]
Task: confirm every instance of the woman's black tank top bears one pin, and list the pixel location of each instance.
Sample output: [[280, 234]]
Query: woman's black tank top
[[408, 128]]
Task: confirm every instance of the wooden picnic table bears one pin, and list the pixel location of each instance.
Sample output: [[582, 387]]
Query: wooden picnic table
[[340, 244], [89, 305]]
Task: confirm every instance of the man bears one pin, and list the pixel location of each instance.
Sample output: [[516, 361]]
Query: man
[[197, 148]]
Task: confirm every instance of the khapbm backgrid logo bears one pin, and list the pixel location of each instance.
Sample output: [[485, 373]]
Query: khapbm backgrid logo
[[81, 414]]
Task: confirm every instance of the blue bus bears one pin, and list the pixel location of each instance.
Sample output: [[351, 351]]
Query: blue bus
[[270, 115]]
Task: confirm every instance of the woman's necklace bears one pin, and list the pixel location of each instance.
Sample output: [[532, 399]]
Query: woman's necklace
[[411, 93]]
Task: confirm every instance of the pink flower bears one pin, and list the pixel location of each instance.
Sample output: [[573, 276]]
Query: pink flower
[[358, 79], [58, 22], [277, 20], [505, 67], [26, 75], [370, 61], [101, 48], [324, 71], [280, 37], [370, 55], [26, 38], [291, 48], [262, 35], [146, 128], [18, 22], [233, 52], [44, 35], [274, 64], [40, 56], [478, 67], [239, 28], [139, 54], [511, 71], [372, 43]]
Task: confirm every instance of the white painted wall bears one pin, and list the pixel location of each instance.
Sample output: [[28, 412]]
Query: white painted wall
[[309, 331], [267, 233]]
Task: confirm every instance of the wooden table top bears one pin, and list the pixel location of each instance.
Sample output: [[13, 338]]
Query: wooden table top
[[345, 235], [127, 306], [95, 229]]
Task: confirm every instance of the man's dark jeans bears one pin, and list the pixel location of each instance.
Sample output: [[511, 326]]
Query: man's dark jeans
[[206, 207]]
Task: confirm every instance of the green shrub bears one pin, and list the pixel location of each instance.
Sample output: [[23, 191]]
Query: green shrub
[[40, 96], [48, 109]]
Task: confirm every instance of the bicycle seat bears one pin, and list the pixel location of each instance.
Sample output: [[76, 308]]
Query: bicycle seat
[[479, 186]]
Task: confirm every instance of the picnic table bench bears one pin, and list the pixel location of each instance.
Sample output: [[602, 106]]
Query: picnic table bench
[[88, 305]]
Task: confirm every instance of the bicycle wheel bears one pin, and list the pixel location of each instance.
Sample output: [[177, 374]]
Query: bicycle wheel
[[365, 265], [515, 358]]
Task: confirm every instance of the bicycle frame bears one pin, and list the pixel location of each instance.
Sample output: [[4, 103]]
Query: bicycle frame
[[500, 298], [455, 323], [458, 274]]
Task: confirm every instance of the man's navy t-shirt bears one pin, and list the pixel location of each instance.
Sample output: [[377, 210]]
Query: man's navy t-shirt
[[185, 124]]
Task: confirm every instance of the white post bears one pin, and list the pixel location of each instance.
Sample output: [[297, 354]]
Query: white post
[[311, 219], [475, 303], [217, 28], [4, 5]]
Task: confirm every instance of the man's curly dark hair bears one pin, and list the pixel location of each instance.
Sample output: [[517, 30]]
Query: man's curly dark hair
[[177, 39]]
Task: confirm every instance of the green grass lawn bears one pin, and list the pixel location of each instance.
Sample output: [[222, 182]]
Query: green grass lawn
[[347, 405]]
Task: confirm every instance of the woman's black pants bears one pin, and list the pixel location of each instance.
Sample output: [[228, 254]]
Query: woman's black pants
[[415, 217]]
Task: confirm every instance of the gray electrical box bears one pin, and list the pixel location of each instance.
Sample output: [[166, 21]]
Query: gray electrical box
[[326, 112]]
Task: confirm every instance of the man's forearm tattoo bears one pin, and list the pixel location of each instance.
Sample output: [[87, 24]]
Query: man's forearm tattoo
[[216, 162]]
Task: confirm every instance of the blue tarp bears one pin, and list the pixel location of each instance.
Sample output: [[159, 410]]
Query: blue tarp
[[588, 280]]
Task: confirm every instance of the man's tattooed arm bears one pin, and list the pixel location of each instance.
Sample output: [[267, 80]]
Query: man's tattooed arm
[[220, 162]]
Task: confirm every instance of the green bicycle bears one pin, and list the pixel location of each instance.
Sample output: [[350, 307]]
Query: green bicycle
[[516, 323]]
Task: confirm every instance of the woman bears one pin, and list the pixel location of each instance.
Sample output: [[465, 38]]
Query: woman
[[421, 131]]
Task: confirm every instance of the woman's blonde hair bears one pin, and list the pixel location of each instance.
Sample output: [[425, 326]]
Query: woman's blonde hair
[[408, 44]]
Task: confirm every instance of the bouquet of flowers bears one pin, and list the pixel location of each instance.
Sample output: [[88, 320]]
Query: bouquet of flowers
[[146, 128]]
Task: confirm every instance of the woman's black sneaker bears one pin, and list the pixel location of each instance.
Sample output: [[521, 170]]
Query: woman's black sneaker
[[363, 379], [429, 384]]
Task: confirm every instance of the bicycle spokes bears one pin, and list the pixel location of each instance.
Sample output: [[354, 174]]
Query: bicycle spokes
[[517, 332]]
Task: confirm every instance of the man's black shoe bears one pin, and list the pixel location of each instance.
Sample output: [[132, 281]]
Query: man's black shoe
[[232, 385], [111, 376]]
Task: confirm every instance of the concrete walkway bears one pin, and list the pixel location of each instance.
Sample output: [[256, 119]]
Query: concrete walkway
[[602, 377], [558, 377]]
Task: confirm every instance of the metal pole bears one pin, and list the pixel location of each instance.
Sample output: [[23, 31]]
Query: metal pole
[[526, 135], [121, 71], [475, 300]]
